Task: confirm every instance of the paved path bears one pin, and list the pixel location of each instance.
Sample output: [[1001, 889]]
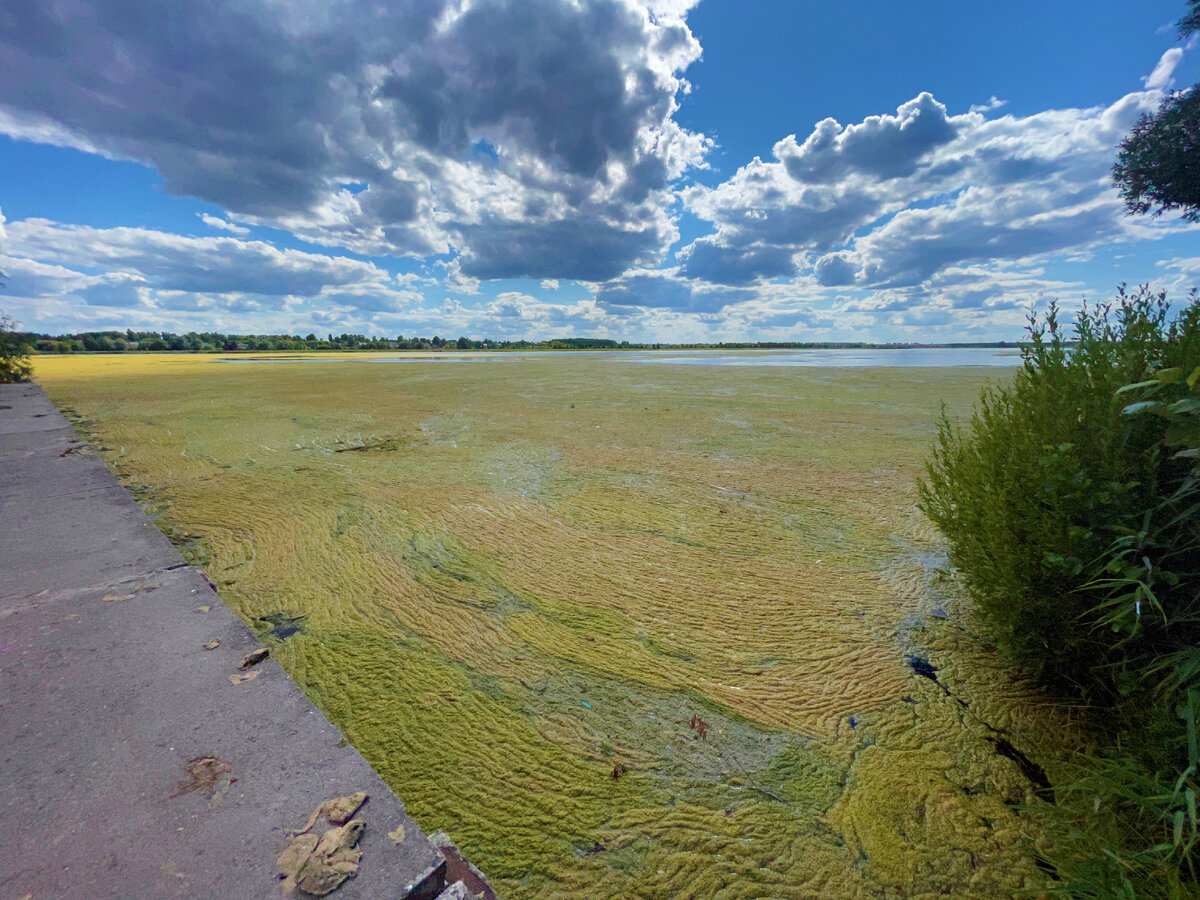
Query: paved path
[[107, 695]]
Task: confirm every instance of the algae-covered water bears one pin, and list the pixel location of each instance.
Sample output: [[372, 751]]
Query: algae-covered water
[[621, 631]]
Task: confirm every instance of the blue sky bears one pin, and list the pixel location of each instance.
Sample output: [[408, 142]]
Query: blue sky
[[640, 169]]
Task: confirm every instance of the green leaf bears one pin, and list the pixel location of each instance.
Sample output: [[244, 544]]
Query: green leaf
[[1169, 376], [1137, 387], [1194, 378], [1188, 714], [1136, 409], [1186, 405]]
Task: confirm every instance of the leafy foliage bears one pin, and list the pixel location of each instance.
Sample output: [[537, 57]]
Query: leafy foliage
[[1072, 506], [14, 353], [1052, 485], [1158, 163], [1190, 22]]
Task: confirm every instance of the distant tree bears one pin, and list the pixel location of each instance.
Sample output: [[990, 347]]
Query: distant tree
[[1158, 163], [14, 353]]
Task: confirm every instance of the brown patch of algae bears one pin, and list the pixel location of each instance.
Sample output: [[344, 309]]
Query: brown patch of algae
[[519, 577]]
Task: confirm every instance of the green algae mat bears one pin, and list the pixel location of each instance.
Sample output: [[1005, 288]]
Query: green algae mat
[[621, 630]]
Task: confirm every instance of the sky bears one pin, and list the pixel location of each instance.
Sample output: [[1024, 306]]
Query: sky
[[646, 170]]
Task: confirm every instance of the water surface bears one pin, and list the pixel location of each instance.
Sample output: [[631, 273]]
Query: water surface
[[929, 357]]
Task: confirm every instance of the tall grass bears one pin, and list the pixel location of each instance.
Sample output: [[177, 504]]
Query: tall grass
[[1071, 503]]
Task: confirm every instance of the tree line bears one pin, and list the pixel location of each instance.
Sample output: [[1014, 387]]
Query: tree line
[[130, 341]]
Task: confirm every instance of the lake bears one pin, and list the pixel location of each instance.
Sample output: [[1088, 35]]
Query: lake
[[928, 357]]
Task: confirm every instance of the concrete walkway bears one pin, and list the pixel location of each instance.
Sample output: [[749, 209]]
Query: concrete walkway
[[108, 699]]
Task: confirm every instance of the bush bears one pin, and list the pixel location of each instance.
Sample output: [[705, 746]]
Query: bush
[[1071, 503], [14, 353], [1054, 496]]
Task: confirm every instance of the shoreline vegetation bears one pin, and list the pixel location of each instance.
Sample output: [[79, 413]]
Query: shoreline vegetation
[[130, 341], [1070, 502]]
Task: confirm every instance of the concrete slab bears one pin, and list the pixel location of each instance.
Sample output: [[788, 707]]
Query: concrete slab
[[107, 697]]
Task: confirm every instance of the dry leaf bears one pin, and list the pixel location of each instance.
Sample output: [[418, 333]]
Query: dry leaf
[[397, 835], [113, 598], [203, 772], [203, 608], [212, 645], [239, 677]]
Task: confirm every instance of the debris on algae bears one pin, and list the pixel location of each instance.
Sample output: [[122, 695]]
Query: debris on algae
[[282, 625]]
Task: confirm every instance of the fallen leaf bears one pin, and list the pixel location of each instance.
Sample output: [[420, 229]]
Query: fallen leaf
[[397, 835], [203, 608], [212, 645], [239, 677], [113, 598]]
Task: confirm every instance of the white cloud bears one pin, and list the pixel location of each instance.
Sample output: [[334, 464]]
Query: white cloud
[[152, 276], [896, 199], [223, 224], [549, 284], [535, 139], [993, 103], [1161, 78]]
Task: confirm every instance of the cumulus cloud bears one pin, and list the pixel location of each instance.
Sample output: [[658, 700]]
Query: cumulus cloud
[[896, 199], [175, 262], [549, 284], [493, 128], [665, 289], [881, 146], [144, 273]]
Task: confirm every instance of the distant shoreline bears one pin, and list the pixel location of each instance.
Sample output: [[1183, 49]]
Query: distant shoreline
[[555, 346]]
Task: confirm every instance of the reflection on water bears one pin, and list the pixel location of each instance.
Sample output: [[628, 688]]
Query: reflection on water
[[934, 357]]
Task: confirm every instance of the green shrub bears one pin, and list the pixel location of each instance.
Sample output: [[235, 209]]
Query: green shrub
[[14, 354], [1052, 494], [1071, 503]]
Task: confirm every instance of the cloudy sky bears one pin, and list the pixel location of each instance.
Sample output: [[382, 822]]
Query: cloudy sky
[[641, 169]]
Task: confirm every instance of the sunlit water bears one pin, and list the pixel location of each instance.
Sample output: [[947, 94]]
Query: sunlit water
[[933, 357]]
